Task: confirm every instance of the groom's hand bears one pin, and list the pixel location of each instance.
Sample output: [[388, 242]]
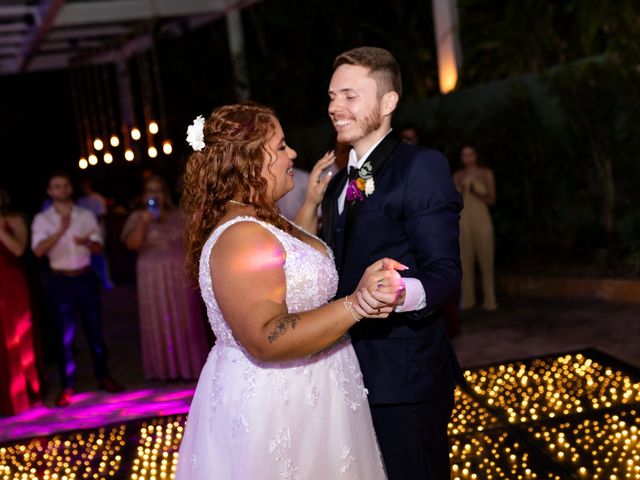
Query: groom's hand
[[381, 288]]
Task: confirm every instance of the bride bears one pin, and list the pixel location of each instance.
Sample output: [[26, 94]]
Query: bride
[[281, 394]]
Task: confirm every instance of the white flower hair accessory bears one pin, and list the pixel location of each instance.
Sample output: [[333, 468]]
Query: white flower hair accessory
[[195, 134]]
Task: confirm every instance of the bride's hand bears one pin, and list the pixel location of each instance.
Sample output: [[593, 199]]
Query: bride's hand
[[381, 288], [318, 183]]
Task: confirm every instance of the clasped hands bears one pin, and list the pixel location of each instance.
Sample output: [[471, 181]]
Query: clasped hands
[[380, 290]]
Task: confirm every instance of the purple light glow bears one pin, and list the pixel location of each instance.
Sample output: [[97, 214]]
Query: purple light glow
[[94, 409]]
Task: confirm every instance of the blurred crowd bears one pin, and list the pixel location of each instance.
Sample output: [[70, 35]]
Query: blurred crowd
[[54, 269]]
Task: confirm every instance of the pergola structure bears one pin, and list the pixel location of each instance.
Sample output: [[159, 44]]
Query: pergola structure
[[40, 35], [49, 34]]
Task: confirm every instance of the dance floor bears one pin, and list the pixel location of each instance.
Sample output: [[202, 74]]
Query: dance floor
[[565, 416]]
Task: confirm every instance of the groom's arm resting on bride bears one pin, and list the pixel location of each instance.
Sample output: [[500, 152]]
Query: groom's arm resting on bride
[[247, 271]]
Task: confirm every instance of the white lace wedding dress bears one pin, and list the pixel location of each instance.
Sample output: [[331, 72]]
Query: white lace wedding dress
[[304, 419]]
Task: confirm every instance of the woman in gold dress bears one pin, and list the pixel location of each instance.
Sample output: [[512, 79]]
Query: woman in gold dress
[[476, 183]]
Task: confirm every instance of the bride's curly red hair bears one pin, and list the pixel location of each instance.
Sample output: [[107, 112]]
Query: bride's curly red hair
[[236, 141]]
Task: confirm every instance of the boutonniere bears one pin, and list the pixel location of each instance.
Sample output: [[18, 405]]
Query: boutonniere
[[363, 185]]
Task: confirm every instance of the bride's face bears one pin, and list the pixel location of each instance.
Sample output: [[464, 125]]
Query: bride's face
[[277, 169]]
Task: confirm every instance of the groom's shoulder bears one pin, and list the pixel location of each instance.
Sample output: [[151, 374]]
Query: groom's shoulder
[[418, 158]]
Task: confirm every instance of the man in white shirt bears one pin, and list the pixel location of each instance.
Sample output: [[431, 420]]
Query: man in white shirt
[[67, 235]]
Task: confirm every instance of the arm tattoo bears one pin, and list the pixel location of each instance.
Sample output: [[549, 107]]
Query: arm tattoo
[[282, 325]]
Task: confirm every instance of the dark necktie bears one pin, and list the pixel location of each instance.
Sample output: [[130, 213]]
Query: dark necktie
[[353, 173]]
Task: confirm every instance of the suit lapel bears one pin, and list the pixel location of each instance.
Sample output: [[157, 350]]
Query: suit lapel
[[377, 158], [330, 210]]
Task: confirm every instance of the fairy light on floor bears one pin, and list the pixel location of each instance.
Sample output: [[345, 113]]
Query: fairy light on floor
[[468, 415], [66, 457], [569, 416], [493, 456], [157, 451], [606, 447], [550, 388]]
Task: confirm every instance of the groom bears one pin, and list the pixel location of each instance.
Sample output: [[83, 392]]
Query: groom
[[401, 204]]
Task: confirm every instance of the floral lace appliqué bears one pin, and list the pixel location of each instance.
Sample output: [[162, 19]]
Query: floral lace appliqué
[[280, 445]]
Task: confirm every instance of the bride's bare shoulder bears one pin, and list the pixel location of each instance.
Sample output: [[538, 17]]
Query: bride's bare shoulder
[[249, 241]]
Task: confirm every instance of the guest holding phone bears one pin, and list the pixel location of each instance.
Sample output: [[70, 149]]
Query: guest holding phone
[[172, 331]]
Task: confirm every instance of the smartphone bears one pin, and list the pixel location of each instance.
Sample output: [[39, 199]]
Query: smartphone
[[153, 207]]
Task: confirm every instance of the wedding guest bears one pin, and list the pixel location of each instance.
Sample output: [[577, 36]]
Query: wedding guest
[[97, 204], [477, 185], [172, 330], [67, 235], [19, 382], [290, 204], [409, 134], [292, 201]]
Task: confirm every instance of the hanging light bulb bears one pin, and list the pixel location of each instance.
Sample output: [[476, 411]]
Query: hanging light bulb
[[128, 155], [167, 148], [93, 160], [115, 141], [153, 151], [108, 158], [153, 127], [98, 144], [82, 163], [135, 133]]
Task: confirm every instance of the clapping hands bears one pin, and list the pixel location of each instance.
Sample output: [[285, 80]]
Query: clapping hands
[[381, 288]]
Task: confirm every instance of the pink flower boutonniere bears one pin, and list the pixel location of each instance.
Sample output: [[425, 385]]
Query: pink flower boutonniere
[[362, 186]]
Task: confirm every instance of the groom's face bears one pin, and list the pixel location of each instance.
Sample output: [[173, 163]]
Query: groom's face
[[354, 106]]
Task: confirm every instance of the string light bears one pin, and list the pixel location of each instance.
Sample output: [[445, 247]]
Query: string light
[[129, 155], [153, 152], [108, 158], [114, 141], [93, 159], [153, 127], [167, 148], [135, 133], [98, 144], [82, 163]]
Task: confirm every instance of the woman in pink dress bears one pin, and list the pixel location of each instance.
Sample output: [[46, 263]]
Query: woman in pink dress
[[172, 329], [19, 382]]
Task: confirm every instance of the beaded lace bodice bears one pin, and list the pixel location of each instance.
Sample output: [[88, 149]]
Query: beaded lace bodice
[[311, 277]]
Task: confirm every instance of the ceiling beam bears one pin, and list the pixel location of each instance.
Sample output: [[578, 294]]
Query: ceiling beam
[[9, 51], [8, 11], [72, 33], [48, 10], [11, 39], [14, 27], [83, 13]]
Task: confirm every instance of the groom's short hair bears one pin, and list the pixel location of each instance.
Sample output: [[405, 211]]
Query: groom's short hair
[[383, 67]]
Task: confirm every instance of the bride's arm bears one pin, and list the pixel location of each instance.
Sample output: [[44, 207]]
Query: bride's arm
[[250, 287]]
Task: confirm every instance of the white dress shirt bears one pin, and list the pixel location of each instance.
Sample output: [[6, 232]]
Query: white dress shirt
[[415, 297], [66, 254]]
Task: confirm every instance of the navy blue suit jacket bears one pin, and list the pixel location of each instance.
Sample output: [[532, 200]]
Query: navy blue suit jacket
[[412, 217]]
